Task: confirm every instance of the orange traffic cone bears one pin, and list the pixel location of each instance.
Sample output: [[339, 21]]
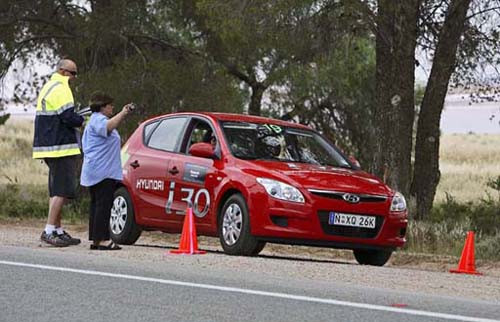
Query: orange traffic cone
[[466, 264], [188, 243]]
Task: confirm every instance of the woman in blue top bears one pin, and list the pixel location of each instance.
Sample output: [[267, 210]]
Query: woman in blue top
[[101, 167]]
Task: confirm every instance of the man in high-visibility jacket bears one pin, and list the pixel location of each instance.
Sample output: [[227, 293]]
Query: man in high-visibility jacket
[[56, 141]]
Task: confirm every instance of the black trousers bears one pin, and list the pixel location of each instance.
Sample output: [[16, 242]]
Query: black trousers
[[101, 201]]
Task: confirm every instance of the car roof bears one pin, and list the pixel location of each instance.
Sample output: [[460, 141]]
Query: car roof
[[216, 116]]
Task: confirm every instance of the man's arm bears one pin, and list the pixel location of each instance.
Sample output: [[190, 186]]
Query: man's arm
[[71, 118]]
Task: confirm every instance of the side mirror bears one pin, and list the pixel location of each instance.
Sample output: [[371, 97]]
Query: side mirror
[[202, 150], [354, 162]]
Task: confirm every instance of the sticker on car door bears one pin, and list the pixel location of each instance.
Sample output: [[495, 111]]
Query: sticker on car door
[[194, 173]]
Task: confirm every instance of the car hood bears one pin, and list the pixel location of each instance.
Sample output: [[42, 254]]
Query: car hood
[[330, 178]]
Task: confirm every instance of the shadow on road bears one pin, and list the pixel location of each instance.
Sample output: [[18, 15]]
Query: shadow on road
[[287, 257]]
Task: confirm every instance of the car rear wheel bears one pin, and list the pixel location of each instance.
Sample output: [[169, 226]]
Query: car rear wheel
[[372, 256], [122, 226], [234, 228]]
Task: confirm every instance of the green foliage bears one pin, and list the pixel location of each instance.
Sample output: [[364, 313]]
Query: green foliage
[[335, 95], [481, 216], [488, 246], [137, 52], [445, 229], [162, 87], [31, 201], [23, 201], [168, 55], [439, 238], [4, 118]]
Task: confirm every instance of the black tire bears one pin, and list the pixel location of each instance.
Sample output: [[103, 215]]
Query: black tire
[[372, 256], [259, 248], [122, 227], [234, 228]]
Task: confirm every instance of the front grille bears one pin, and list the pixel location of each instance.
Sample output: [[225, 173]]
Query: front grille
[[337, 195], [347, 231]]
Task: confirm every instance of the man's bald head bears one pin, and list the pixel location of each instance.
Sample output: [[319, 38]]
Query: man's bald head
[[67, 67]]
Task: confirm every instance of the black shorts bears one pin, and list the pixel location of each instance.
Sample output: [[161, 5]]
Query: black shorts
[[62, 176]]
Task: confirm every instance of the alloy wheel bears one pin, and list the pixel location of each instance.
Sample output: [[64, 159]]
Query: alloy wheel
[[231, 225], [118, 215]]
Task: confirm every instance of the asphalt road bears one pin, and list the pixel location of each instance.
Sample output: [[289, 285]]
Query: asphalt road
[[48, 285]]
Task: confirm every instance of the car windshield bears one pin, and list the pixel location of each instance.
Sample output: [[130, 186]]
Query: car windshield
[[252, 141]]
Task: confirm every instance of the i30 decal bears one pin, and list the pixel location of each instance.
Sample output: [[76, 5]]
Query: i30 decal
[[188, 198]]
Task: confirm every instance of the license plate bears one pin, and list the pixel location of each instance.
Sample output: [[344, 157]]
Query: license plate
[[340, 219]]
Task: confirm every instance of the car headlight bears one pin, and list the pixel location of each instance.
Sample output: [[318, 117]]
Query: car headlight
[[280, 190], [398, 202]]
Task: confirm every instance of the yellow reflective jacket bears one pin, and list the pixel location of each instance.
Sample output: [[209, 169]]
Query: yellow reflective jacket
[[56, 120]]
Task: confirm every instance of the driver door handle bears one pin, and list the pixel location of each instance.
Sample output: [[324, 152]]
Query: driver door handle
[[174, 170], [135, 164]]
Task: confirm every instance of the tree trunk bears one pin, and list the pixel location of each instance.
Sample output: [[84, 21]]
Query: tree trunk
[[395, 77], [256, 99], [426, 175]]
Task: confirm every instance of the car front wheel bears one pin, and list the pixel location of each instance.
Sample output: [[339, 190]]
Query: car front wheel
[[234, 228], [372, 256], [122, 226]]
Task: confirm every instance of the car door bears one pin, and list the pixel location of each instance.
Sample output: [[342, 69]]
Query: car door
[[149, 169], [194, 179]]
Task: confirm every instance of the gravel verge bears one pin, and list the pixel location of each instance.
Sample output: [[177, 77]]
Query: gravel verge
[[421, 273]]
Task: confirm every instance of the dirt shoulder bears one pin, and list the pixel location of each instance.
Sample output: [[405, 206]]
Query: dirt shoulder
[[26, 233]]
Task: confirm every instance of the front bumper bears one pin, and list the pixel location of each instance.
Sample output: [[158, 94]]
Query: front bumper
[[307, 224]]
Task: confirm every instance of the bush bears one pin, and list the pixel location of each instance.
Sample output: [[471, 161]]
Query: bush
[[482, 216], [435, 238], [488, 247], [31, 201], [26, 201], [445, 229]]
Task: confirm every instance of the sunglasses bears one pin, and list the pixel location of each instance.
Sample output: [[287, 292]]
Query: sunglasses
[[72, 72]]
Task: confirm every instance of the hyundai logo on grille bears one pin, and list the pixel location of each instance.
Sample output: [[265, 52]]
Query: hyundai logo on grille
[[350, 198]]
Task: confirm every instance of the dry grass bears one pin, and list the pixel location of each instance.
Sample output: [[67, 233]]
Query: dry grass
[[467, 162], [16, 164]]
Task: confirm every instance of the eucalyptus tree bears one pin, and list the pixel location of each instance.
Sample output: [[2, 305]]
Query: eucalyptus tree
[[396, 140], [131, 51], [463, 36], [257, 42], [334, 94], [459, 36]]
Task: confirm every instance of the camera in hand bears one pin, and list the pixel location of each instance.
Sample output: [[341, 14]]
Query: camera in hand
[[131, 107]]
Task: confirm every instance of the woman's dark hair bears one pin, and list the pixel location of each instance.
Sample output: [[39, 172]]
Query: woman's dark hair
[[98, 100]]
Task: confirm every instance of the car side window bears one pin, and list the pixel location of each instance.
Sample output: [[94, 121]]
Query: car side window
[[167, 134], [202, 132], [148, 129]]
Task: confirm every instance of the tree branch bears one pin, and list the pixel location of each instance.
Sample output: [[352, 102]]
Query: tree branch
[[481, 12]]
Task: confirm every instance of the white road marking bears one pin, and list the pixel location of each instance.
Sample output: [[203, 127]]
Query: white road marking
[[256, 292]]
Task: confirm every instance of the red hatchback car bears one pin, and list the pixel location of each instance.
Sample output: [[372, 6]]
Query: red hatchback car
[[252, 180]]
